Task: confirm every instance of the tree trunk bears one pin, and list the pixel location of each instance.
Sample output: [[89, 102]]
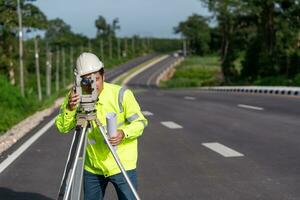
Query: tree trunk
[[227, 30]]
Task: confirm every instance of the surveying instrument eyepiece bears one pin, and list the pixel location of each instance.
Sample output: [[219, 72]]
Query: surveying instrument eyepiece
[[71, 184]]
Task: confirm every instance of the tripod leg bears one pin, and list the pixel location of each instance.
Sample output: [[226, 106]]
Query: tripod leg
[[70, 168], [116, 157], [69, 164], [78, 176]]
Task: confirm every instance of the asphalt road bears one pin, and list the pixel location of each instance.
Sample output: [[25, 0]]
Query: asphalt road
[[117, 71], [37, 173], [174, 163], [147, 79]]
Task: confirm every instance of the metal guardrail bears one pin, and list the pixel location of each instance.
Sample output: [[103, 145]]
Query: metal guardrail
[[274, 90]]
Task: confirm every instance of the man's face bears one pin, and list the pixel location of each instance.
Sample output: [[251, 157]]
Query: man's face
[[99, 82]]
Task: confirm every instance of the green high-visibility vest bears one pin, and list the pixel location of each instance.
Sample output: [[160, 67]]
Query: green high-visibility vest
[[130, 119]]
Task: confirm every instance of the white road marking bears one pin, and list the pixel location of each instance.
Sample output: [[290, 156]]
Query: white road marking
[[223, 150], [147, 113], [190, 98], [11, 158], [171, 125], [250, 107]]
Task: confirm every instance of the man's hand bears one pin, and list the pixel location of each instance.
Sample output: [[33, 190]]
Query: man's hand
[[74, 99], [117, 139]]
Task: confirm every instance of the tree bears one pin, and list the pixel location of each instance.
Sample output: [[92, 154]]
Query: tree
[[196, 30], [33, 18], [58, 32], [226, 13], [269, 52], [103, 28], [267, 31]]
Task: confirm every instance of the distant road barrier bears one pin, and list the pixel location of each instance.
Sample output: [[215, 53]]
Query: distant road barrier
[[163, 75], [274, 90]]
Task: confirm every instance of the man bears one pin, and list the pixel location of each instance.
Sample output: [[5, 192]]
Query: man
[[100, 167]]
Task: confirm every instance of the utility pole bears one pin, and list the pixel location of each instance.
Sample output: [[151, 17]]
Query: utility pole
[[37, 68], [119, 48], [101, 50], [90, 46], [63, 66], [71, 62], [57, 69], [148, 44], [184, 48], [110, 46], [21, 48], [48, 70], [132, 46], [125, 47], [144, 45]]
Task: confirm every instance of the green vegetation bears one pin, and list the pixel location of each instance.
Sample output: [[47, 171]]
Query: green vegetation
[[57, 52], [196, 71], [258, 41], [15, 108], [197, 31]]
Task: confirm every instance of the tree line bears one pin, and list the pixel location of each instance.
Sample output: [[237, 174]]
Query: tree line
[[256, 40], [49, 58]]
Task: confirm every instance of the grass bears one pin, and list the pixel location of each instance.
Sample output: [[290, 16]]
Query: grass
[[15, 108], [195, 71]]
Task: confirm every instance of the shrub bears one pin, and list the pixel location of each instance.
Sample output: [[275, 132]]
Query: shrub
[[272, 81], [195, 72]]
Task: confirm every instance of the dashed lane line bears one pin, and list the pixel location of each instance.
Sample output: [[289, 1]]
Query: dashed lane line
[[147, 113], [171, 125], [250, 107], [189, 98], [222, 149]]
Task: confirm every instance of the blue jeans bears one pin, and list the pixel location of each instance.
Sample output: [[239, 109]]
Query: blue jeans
[[95, 185]]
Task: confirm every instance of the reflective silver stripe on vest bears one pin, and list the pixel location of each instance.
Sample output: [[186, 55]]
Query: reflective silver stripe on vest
[[132, 117], [120, 98], [144, 122]]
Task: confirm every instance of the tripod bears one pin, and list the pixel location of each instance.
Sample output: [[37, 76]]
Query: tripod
[[72, 178]]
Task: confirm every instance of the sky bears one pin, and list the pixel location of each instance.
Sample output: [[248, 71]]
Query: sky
[[151, 18]]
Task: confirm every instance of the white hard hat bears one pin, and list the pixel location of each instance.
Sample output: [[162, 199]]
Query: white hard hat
[[88, 63]]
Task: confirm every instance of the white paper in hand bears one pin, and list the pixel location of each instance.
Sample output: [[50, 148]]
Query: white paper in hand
[[111, 122]]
